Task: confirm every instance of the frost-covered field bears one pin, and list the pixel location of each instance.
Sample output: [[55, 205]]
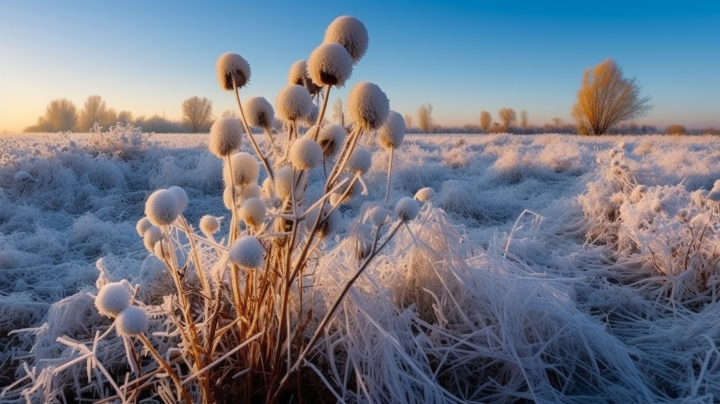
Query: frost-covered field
[[574, 269]]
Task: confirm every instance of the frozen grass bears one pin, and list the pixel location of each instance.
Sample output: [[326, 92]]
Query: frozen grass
[[600, 292]]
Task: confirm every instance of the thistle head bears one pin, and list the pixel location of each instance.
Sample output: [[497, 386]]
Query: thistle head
[[293, 102], [359, 162], [350, 33], [330, 64], [231, 66], [331, 139], [225, 136], [181, 195], [246, 252], [209, 224], [392, 132], [424, 194], [298, 76], [151, 236], [162, 207], [368, 106], [132, 321], [113, 298], [242, 170], [142, 226], [252, 212], [407, 209], [305, 154], [259, 112]]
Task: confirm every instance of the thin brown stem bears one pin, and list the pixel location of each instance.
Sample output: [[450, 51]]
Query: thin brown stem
[[249, 133]]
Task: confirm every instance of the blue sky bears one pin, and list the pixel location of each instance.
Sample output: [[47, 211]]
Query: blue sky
[[460, 56]]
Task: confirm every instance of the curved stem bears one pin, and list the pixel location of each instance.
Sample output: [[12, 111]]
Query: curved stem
[[165, 366], [389, 177], [322, 113], [234, 219], [249, 133], [272, 142]]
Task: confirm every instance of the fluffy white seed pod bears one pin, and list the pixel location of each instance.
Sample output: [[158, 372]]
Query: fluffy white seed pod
[[245, 169], [209, 224], [378, 215], [359, 162], [152, 235], [425, 194], [249, 191], [283, 183], [716, 186], [682, 215], [713, 198], [368, 106], [181, 195], [132, 321], [305, 154], [298, 76], [162, 207], [231, 65], [162, 249], [22, 175], [349, 32], [330, 64], [331, 139], [407, 209], [252, 212], [113, 298], [259, 112], [293, 102], [392, 132], [225, 136], [142, 225], [246, 252]]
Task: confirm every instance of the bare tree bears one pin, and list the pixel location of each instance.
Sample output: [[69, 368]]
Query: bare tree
[[507, 116], [523, 120], [196, 112], [425, 117], [95, 111], [606, 98], [676, 130], [408, 121], [229, 113], [125, 117], [338, 115], [60, 115], [485, 120]]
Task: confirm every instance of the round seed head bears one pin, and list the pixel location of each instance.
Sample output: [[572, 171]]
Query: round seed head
[[162, 249], [209, 224], [132, 321], [378, 215], [713, 198], [330, 64], [293, 102], [252, 212], [229, 66], [392, 132], [359, 162], [305, 154], [368, 106], [298, 76], [181, 196], [407, 209], [259, 112], [225, 136], [716, 186], [349, 32], [425, 194], [151, 237], [283, 183], [142, 225], [245, 169], [249, 191], [246, 252], [113, 298], [162, 207], [331, 139]]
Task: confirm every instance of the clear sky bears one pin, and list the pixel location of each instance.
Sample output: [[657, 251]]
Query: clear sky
[[460, 56]]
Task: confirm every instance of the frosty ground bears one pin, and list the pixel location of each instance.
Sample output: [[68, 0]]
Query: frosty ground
[[595, 287]]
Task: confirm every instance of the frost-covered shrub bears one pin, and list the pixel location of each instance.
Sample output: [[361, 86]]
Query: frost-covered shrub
[[122, 141]]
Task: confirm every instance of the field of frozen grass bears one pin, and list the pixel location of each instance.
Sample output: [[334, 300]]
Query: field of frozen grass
[[547, 268]]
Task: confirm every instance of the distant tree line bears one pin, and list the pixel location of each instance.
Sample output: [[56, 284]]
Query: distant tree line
[[61, 115]]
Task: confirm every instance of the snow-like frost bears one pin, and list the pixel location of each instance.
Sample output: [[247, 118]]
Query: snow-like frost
[[367, 106], [293, 102], [330, 64], [245, 169], [350, 33], [259, 112], [253, 212], [162, 207], [305, 154], [247, 252], [113, 298], [132, 321], [407, 209], [225, 136]]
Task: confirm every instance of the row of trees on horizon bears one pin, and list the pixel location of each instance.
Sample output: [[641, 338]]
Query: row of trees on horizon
[[604, 101]]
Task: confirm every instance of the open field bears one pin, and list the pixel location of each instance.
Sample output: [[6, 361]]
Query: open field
[[565, 269]]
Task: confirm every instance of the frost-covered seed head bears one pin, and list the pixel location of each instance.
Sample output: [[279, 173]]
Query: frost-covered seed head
[[293, 102], [113, 298], [425, 194], [259, 112], [378, 215], [209, 224], [283, 183], [142, 225], [368, 106], [245, 169], [330, 64], [298, 76], [359, 162], [713, 198], [622, 145], [350, 33], [162, 249], [407, 209], [249, 191], [229, 66], [331, 138], [162, 207], [682, 215], [305, 154], [225, 136], [152, 235], [252, 212], [181, 195], [246, 252], [22, 175], [132, 321], [716, 186], [392, 132]]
